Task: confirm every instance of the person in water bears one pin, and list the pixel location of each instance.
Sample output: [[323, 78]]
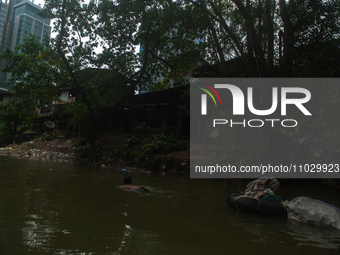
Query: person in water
[[128, 185]]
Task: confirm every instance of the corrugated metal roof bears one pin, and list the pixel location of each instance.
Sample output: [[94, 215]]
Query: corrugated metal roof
[[3, 91]]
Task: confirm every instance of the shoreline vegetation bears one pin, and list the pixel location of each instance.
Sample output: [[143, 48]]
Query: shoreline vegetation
[[152, 153], [116, 151]]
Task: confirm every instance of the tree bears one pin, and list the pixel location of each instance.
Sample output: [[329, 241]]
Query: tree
[[240, 29], [250, 31], [270, 37], [118, 27], [35, 67], [162, 29], [316, 49]]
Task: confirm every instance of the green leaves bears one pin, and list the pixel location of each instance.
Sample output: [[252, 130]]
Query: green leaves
[[35, 70], [118, 27]]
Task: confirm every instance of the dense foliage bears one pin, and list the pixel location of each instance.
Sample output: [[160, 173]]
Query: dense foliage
[[35, 68], [107, 49]]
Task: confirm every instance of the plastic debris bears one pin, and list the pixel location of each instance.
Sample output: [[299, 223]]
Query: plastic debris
[[308, 210]]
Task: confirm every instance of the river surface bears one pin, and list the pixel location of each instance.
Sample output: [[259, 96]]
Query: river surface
[[64, 208]]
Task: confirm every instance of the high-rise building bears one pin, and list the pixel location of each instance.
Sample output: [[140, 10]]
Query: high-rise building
[[3, 12], [22, 20]]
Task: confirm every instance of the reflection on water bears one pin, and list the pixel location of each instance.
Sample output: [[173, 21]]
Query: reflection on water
[[134, 239], [311, 235], [61, 208]]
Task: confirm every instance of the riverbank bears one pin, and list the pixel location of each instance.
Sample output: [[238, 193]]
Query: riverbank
[[117, 151], [139, 153], [56, 149]]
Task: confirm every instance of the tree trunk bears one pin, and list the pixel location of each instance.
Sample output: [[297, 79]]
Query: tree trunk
[[67, 64], [288, 43], [259, 55], [250, 48], [270, 37]]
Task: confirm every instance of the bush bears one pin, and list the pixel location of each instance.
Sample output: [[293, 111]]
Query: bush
[[6, 134], [48, 136], [161, 143]]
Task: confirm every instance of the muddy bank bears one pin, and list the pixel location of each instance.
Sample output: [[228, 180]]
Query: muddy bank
[[115, 151]]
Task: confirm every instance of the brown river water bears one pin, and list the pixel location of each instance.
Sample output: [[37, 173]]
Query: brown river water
[[49, 207]]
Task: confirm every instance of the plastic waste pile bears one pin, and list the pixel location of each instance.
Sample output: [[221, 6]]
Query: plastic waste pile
[[308, 210], [42, 153]]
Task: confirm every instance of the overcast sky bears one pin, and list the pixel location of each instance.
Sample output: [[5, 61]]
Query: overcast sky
[[42, 2]]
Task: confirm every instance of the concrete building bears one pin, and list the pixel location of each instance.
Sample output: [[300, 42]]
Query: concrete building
[[5, 96], [21, 21], [3, 13]]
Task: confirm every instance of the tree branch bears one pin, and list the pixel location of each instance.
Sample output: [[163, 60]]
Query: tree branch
[[223, 24], [270, 35], [257, 45], [287, 38], [67, 64], [146, 55]]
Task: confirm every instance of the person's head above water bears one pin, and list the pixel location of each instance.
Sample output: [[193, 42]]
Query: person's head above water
[[127, 180]]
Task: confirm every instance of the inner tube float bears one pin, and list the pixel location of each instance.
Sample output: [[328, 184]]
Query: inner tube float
[[249, 205]]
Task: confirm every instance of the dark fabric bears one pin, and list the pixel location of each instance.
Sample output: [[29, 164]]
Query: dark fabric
[[247, 205], [142, 189], [270, 208], [273, 198], [233, 198]]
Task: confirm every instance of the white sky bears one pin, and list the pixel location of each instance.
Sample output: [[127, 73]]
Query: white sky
[[53, 35]]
